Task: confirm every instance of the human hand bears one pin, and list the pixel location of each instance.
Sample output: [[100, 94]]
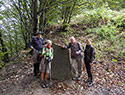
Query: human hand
[[43, 56], [32, 47], [77, 52], [40, 55], [47, 51], [91, 64], [63, 46]]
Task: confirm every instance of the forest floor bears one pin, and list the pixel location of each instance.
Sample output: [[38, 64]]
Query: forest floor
[[17, 78]]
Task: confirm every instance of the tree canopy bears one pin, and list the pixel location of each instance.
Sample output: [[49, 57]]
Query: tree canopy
[[21, 19]]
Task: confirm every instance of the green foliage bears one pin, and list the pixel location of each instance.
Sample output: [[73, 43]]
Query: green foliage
[[97, 17], [18, 19], [1, 64], [105, 24], [1, 57], [105, 32], [98, 55], [66, 25], [101, 21], [119, 21], [90, 18], [122, 53], [109, 49]]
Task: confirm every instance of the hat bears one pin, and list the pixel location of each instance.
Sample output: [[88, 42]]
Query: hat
[[39, 32], [49, 41]]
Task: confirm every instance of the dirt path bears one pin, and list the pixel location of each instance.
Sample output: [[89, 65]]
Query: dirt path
[[17, 79]]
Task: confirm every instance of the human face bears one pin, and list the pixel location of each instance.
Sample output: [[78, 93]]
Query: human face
[[39, 36], [72, 40], [48, 44], [88, 42]]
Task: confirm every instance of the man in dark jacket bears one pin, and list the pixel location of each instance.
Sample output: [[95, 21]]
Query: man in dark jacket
[[89, 56], [76, 57], [37, 45]]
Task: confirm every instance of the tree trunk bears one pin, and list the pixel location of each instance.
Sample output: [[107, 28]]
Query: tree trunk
[[43, 17], [70, 16], [10, 43], [34, 16], [4, 49]]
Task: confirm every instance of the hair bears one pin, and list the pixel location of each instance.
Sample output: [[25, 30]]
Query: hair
[[72, 38], [88, 40], [49, 41]]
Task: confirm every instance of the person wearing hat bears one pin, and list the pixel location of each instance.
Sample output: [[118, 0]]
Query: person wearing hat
[[37, 45], [47, 52], [89, 56]]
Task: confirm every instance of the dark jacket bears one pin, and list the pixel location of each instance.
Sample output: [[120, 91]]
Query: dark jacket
[[75, 48], [37, 43], [89, 54]]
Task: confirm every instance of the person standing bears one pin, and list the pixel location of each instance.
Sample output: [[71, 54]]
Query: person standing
[[47, 53], [76, 56], [89, 56], [37, 45]]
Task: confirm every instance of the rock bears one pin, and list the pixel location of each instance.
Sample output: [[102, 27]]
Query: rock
[[61, 64]]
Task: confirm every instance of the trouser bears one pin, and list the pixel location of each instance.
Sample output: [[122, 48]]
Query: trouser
[[45, 66], [77, 67], [88, 68], [36, 68], [37, 65]]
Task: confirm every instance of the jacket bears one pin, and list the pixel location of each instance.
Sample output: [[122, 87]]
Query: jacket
[[37, 43], [76, 47], [89, 54], [49, 54]]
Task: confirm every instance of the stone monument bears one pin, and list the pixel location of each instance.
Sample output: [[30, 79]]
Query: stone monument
[[61, 68]]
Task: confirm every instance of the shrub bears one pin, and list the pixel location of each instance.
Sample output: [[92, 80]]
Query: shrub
[[119, 21], [105, 32]]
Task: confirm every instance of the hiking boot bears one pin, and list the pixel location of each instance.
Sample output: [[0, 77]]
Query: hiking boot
[[90, 84], [78, 78], [46, 83], [43, 84], [88, 80], [74, 79], [36, 74]]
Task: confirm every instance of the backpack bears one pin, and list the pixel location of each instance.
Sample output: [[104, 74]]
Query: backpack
[[34, 40], [79, 46]]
